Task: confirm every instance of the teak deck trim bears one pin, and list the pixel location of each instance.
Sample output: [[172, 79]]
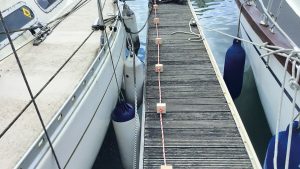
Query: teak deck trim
[[238, 121]]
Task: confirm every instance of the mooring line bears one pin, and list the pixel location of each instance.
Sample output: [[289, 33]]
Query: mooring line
[[159, 85]]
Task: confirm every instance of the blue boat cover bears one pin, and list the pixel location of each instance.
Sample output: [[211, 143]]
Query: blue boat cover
[[294, 162]]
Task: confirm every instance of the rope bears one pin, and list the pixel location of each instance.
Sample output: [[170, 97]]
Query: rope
[[271, 49], [141, 29], [159, 89], [293, 82], [28, 88], [45, 85], [132, 54], [61, 18], [198, 37], [49, 81], [132, 49], [79, 5], [22, 29], [262, 45], [279, 112], [135, 138], [111, 56], [162, 138], [135, 100], [290, 57], [98, 106]]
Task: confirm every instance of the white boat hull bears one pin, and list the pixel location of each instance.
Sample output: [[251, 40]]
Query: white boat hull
[[79, 135], [269, 80]]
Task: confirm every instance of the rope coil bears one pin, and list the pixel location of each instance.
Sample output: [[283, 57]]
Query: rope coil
[[291, 57]]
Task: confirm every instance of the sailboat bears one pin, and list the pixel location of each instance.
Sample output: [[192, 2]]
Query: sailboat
[[270, 31], [61, 71], [274, 27]]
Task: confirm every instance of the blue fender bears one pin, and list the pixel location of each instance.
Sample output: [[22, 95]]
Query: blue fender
[[123, 112], [294, 162], [234, 68]]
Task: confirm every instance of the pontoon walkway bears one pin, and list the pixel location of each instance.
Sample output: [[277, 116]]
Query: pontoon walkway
[[202, 128]]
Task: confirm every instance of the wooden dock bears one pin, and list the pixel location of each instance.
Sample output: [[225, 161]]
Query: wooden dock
[[200, 128]]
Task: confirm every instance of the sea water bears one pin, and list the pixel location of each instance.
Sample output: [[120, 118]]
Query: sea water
[[223, 16], [108, 157]]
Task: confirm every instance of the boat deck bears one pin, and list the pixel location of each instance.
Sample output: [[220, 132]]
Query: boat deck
[[40, 63], [202, 128]]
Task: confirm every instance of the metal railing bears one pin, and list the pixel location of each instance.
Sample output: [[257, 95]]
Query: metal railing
[[271, 19]]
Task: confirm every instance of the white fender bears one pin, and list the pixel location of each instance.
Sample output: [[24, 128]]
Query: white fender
[[129, 80], [128, 134], [130, 22]]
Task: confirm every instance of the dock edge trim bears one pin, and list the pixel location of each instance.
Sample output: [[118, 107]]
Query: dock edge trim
[[238, 121]]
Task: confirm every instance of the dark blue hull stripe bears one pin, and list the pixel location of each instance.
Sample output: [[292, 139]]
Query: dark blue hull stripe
[[271, 71]]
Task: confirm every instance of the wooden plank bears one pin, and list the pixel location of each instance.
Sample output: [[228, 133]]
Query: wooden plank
[[187, 64], [197, 116], [189, 124], [203, 137], [199, 129], [197, 152], [178, 55], [187, 87], [192, 101], [170, 72], [200, 163]]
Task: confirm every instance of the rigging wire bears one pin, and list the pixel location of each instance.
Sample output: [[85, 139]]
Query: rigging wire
[[59, 19], [144, 25], [69, 13], [25, 79], [21, 30], [29, 89], [132, 49], [289, 58], [50, 80], [79, 5], [240, 15], [111, 56], [45, 85], [94, 114], [277, 14], [271, 49]]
